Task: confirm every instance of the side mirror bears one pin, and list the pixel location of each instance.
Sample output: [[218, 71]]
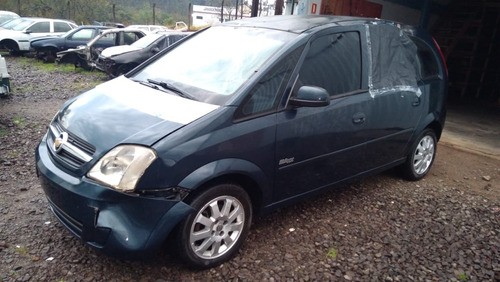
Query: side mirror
[[155, 50], [311, 96], [28, 31]]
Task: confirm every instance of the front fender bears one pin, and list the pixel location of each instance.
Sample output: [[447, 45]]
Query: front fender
[[224, 167]]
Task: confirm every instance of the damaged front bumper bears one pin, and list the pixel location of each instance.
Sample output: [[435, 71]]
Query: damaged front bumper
[[119, 224]]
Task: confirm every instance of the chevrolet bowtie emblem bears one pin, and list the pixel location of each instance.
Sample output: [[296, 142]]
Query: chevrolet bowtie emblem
[[59, 141]]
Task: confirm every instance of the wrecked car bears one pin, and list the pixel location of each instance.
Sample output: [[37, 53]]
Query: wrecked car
[[85, 56], [46, 48], [118, 60], [240, 119]]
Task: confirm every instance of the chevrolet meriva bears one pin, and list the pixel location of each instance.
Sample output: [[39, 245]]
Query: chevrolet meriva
[[240, 118]]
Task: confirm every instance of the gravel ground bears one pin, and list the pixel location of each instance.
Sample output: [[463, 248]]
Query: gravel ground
[[443, 228]]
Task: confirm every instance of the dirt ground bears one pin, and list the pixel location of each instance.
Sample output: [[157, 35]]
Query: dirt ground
[[445, 227]]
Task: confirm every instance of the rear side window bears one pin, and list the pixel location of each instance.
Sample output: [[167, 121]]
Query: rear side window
[[333, 62], [61, 27], [428, 65], [40, 27]]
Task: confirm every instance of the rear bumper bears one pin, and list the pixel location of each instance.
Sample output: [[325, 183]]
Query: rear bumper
[[119, 224]]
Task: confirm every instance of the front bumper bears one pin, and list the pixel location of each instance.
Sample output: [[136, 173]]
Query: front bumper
[[104, 64], [119, 224]]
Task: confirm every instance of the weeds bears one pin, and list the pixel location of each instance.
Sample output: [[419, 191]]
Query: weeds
[[19, 121], [332, 253], [21, 250], [463, 277]]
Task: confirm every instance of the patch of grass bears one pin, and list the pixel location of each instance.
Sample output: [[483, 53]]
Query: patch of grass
[[49, 67], [21, 250], [463, 277], [332, 253], [19, 121], [3, 132]]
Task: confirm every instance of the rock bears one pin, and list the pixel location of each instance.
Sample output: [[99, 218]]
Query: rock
[[486, 178]]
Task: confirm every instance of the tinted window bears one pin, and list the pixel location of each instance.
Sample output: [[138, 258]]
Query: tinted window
[[428, 64], [83, 34], [40, 27], [61, 27], [333, 62], [266, 95]]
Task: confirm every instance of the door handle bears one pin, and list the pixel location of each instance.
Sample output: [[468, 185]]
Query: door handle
[[358, 118], [416, 102]]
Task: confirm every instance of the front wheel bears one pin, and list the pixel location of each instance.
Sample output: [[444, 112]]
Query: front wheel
[[214, 233], [421, 157]]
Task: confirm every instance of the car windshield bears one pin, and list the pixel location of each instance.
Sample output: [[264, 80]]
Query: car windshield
[[11, 23], [215, 63], [22, 25], [7, 17], [146, 41]]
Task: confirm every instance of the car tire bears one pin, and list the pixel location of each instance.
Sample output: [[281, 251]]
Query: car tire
[[49, 56], [216, 230], [421, 157]]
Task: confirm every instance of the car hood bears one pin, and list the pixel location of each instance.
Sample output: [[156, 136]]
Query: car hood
[[123, 111], [117, 50], [14, 34]]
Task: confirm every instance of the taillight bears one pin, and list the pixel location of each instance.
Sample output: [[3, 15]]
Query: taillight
[[442, 56]]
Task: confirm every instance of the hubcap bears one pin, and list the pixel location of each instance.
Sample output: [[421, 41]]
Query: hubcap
[[424, 154], [217, 227]]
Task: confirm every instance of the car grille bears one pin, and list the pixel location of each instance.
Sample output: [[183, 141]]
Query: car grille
[[69, 150]]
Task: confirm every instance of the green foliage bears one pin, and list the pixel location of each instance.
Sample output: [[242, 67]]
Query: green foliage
[[19, 121], [125, 11], [463, 277], [21, 250], [332, 253], [3, 132]]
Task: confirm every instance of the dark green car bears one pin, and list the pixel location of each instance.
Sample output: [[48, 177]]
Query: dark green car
[[238, 119]]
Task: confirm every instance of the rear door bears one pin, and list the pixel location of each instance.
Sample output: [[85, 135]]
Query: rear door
[[369, 121]]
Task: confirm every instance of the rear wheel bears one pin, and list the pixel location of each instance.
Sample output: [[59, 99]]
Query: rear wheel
[[422, 156], [214, 233]]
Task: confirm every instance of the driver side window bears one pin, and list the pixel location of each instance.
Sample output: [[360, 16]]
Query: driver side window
[[266, 95], [333, 62]]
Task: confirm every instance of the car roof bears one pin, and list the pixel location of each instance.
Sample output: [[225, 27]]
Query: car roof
[[300, 24], [2, 12]]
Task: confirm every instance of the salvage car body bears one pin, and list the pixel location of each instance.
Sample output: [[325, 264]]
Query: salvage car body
[[16, 37], [85, 56], [118, 60], [46, 48], [268, 111]]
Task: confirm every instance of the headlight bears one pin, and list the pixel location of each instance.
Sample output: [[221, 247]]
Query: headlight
[[122, 167]]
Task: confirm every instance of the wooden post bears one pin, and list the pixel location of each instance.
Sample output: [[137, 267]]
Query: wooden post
[[236, 12], [154, 16], [278, 8], [222, 12], [255, 8]]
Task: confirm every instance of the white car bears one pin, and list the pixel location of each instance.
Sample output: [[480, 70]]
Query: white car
[[7, 16], [149, 28], [16, 38]]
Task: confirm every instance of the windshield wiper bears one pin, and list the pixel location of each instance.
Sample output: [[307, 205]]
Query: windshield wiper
[[154, 86], [168, 86]]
